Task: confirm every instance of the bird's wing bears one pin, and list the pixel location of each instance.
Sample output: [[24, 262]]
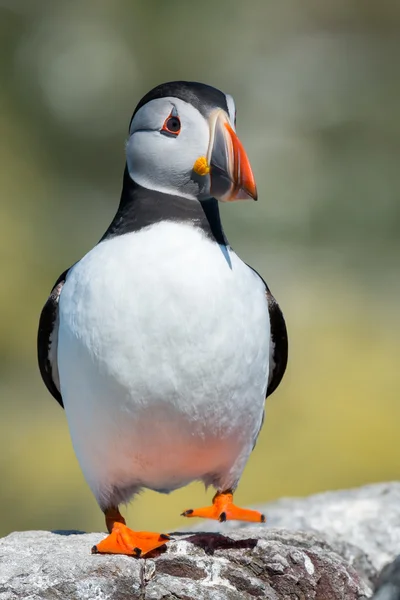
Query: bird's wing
[[278, 344], [47, 340]]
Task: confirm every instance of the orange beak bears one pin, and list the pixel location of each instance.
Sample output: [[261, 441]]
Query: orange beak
[[230, 171]]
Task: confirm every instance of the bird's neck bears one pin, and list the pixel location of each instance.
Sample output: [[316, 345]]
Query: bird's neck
[[140, 207]]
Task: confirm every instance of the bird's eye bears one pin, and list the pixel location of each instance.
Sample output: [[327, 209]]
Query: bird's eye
[[172, 126]]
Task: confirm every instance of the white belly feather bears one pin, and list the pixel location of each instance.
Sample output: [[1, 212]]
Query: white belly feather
[[163, 361]]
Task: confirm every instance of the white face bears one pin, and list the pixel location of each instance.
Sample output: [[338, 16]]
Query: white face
[[166, 137]]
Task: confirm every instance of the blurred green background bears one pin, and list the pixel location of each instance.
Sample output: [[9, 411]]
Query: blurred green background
[[317, 89]]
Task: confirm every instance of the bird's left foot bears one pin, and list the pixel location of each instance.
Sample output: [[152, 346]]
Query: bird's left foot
[[223, 509]]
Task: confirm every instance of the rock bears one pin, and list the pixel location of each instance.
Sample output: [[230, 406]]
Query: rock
[[367, 518], [253, 563], [388, 584], [332, 546]]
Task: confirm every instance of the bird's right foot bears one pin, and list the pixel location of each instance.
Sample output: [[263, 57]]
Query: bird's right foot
[[123, 540]]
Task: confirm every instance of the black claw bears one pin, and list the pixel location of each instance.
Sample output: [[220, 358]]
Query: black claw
[[137, 552], [164, 536], [94, 550], [222, 517], [187, 512], [262, 519]]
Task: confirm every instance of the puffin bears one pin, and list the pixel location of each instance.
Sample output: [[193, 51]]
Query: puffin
[[161, 344]]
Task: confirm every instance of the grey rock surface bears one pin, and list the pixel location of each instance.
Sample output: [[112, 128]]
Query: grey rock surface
[[388, 584], [255, 563], [367, 518], [331, 546]]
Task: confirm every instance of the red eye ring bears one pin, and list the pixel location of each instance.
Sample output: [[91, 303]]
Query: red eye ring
[[172, 126]]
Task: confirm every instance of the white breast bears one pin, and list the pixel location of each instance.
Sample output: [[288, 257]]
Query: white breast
[[163, 361]]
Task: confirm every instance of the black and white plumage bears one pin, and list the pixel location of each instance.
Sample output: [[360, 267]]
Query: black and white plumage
[[161, 343]]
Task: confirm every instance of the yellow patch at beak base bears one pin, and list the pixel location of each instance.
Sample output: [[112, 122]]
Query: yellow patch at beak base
[[201, 166]]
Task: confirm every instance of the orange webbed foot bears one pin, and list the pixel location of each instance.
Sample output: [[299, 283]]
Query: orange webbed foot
[[123, 540], [223, 509]]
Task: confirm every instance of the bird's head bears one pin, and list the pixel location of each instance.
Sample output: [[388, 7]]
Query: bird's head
[[182, 141]]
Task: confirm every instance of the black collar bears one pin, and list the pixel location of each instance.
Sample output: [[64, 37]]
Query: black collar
[[140, 207]]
